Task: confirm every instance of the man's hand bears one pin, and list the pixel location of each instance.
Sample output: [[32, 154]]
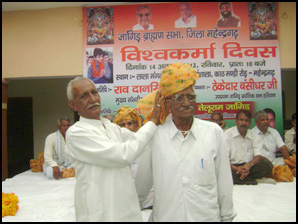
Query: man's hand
[[247, 166], [56, 172], [223, 124], [242, 171], [102, 73], [156, 110]]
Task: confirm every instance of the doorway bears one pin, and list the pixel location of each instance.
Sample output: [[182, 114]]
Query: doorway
[[19, 134]]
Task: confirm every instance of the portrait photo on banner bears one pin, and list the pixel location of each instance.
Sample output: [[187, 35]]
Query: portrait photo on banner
[[99, 64]]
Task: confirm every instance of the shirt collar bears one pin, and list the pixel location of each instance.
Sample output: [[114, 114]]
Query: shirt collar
[[236, 133], [269, 130], [93, 122], [174, 130], [258, 131], [292, 131]]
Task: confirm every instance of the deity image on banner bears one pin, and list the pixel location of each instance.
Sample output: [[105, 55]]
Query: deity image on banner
[[262, 20], [100, 25]]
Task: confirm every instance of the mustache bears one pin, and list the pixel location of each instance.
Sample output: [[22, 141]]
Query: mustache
[[243, 126], [186, 108], [93, 104]]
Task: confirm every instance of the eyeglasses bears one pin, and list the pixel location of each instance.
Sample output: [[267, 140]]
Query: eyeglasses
[[146, 14], [179, 98], [129, 123]]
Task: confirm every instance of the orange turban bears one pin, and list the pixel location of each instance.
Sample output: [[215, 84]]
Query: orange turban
[[174, 78], [128, 113]]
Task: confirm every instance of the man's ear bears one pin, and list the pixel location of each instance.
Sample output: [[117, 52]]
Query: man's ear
[[72, 105], [167, 105]]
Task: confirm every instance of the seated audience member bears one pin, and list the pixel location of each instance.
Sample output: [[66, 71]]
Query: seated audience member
[[55, 157], [217, 118], [244, 148], [271, 116], [271, 139], [129, 118], [290, 136], [111, 117]]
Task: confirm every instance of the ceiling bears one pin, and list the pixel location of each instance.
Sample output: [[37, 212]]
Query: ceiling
[[15, 6]]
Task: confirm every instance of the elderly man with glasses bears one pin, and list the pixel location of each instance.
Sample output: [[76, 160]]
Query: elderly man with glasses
[[187, 161]]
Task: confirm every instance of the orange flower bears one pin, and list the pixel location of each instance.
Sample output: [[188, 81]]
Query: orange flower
[[9, 204], [36, 165], [282, 173]]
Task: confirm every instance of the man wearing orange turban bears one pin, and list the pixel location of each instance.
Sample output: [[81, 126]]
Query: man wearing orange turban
[[175, 78], [128, 117], [187, 161]]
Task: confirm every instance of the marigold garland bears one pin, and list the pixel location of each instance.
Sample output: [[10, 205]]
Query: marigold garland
[[36, 164], [9, 204]]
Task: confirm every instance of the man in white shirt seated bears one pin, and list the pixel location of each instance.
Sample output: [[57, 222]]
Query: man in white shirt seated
[[101, 153], [244, 147], [290, 136], [217, 117], [188, 163], [144, 16], [187, 19], [55, 158], [271, 139]]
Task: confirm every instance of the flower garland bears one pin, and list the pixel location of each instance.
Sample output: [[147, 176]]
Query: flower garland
[[9, 204]]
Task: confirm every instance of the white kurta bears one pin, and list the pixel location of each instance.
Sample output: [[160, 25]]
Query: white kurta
[[271, 141], [192, 176], [50, 156], [289, 136], [242, 150], [101, 156]]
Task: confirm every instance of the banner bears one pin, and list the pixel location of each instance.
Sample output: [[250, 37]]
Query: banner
[[233, 46]]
